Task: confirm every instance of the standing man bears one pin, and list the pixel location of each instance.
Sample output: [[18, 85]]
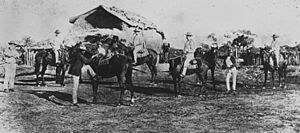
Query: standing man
[[275, 47], [189, 51], [78, 61], [57, 44], [230, 71], [138, 43], [10, 55]]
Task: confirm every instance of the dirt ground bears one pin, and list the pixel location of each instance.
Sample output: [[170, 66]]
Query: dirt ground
[[47, 109]]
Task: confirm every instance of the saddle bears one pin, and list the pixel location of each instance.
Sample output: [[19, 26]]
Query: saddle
[[272, 58], [142, 53], [104, 59]]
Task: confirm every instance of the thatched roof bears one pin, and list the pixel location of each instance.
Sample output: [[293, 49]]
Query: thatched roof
[[130, 18]]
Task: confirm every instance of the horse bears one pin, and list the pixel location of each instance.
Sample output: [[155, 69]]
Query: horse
[[119, 66], [268, 66], [176, 58], [151, 59], [46, 57], [210, 59]]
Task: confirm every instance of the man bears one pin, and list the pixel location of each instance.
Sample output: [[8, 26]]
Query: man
[[230, 71], [77, 66], [275, 47], [57, 43], [189, 51], [10, 55], [138, 43], [213, 40]]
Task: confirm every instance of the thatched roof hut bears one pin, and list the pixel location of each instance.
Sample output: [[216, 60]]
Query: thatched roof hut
[[111, 20]]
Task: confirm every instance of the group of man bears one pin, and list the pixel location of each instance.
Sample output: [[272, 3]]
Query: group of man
[[78, 62]]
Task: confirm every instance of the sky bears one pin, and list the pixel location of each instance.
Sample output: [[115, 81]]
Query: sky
[[39, 18]]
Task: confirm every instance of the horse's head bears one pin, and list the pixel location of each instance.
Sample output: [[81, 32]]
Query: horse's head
[[165, 49], [199, 52], [265, 54]]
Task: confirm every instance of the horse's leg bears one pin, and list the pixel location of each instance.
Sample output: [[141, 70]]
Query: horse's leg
[[37, 73], [175, 85], [197, 80], [204, 84], [154, 74], [57, 75], [95, 90], [63, 74], [284, 77], [152, 71], [266, 77], [201, 78], [128, 82], [279, 76], [213, 77], [273, 79], [122, 87], [44, 68]]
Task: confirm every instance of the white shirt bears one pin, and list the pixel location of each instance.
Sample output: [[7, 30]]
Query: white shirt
[[57, 41], [189, 46], [275, 46]]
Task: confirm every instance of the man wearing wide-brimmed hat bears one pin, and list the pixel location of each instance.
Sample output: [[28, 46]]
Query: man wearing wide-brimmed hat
[[10, 56], [57, 43], [137, 42], [230, 72], [189, 51], [275, 47], [78, 66]]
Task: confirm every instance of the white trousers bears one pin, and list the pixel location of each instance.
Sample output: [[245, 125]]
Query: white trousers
[[56, 54], [10, 74], [231, 73], [89, 70], [277, 55], [189, 57], [85, 69], [75, 88]]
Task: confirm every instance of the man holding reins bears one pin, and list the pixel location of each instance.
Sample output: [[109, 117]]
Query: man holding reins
[[275, 47], [57, 44], [138, 43]]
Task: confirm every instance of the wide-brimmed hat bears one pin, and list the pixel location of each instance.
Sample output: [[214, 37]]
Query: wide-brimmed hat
[[82, 47], [275, 36], [137, 30], [57, 31], [12, 42], [188, 34]]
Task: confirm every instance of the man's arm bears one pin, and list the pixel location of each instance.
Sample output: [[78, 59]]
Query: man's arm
[[84, 59]]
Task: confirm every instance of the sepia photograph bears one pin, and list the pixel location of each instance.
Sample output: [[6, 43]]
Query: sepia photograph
[[149, 66]]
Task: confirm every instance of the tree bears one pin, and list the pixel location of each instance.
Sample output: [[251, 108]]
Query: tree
[[27, 40]]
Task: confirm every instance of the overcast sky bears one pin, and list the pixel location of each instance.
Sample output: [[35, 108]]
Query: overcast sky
[[39, 18]]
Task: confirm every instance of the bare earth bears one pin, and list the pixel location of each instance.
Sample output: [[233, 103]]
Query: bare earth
[[47, 109]]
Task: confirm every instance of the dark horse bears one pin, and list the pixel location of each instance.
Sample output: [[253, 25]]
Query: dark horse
[[118, 65], [46, 57], [268, 66], [176, 59], [151, 59], [209, 58]]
